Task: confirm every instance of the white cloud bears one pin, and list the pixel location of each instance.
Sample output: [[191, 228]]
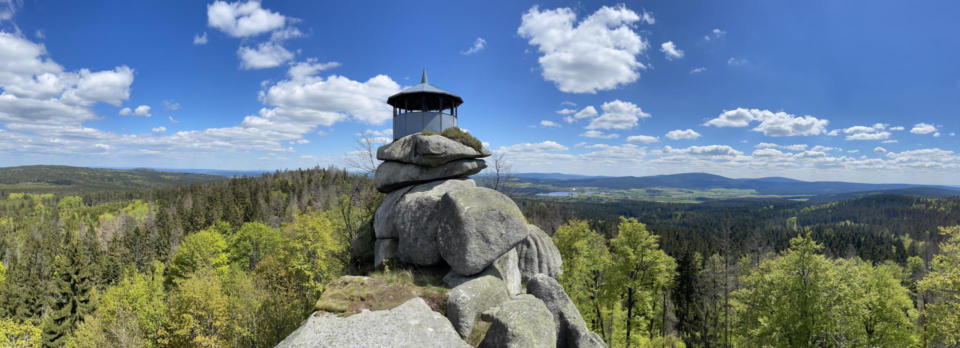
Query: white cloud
[[142, 111], [308, 68], [923, 128], [566, 111], [568, 103], [599, 135], [313, 100], [677, 134], [774, 124], [869, 136], [874, 132], [125, 112], [670, 50], [243, 19], [642, 139], [172, 120], [705, 151], [737, 61], [715, 34], [897, 128], [698, 70], [879, 149], [618, 114], [548, 145], [889, 141], [546, 123], [478, 45], [647, 17], [285, 34], [171, 105], [266, 55], [597, 54], [200, 39], [160, 129]]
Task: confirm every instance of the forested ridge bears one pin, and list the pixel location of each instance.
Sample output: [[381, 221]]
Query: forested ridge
[[241, 262]]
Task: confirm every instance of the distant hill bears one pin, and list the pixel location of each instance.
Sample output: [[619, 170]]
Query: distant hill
[[762, 186], [65, 178]]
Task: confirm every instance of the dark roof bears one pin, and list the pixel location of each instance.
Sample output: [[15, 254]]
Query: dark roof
[[413, 97]]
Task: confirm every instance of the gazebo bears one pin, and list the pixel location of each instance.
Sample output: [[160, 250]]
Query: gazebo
[[423, 107]]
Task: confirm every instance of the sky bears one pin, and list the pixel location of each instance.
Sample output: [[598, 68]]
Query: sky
[[865, 91]]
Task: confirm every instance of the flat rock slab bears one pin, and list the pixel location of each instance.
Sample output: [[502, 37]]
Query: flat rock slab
[[571, 329], [476, 226], [427, 150], [538, 255], [522, 322], [412, 324], [392, 175]]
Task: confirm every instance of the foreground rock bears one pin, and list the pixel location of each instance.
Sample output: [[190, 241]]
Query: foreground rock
[[384, 249], [467, 300], [412, 324], [538, 255], [478, 226], [571, 329], [504, 268], [521, 322], [391, 175], [427, 150]]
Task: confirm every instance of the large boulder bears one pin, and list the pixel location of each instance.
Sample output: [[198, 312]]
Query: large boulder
[[412, 324], [383, 222], [384, 249], [571, 329], [391, 175], [538, 254], [504, 268], [476, 226], [416, 230], [470, 298], [521, 322], [427, 150]]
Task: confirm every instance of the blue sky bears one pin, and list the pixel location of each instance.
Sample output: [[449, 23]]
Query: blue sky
[[823, 90]]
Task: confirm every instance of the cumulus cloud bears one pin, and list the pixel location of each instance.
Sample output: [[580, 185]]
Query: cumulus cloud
[[548, 145], [670, 50], [923, 128], [897, 128], [171, 105], [678, 134], [599, 135], [618, 114], [715, 34], [546, 123], [172, 120], [874, 132], [698, 70], [160, 129], [647, 17], [243, 19], [478, 45], [265, 55], [774, 124], [200, 39], [705, 151], [642, 139], [142, 111], [599, 53], [879, 149], [566, 111], [125, 112]]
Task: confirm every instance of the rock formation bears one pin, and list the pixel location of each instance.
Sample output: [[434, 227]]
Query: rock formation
[[433, 215]]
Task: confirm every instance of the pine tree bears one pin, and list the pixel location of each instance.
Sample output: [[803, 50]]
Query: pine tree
[[73, 285]]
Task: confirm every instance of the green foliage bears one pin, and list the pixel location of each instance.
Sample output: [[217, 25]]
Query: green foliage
[[314, 253], [130, 313], [204, 249], [13, 334], [586, 260], [942, 283], [802, 299], [199, 313], [72, 292], [463, 137], [67, 179], [252, 243], [3, 274]]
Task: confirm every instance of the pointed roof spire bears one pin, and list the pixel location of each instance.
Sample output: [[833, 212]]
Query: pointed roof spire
[[424, 78]]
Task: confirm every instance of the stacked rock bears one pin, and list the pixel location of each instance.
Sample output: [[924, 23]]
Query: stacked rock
[[434, 214]]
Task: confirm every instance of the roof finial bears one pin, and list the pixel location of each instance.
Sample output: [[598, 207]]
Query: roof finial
[[424, 78]]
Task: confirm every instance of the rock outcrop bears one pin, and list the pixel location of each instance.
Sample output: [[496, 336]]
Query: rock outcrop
[[412, 324], [571, 330], [436, 218], [522, 322], [538, 255]]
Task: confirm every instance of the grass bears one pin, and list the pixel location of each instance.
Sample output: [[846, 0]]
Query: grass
[[382, 290], [460, 136]]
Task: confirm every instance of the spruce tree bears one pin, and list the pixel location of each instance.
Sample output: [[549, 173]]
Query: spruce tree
[[72, 287]]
